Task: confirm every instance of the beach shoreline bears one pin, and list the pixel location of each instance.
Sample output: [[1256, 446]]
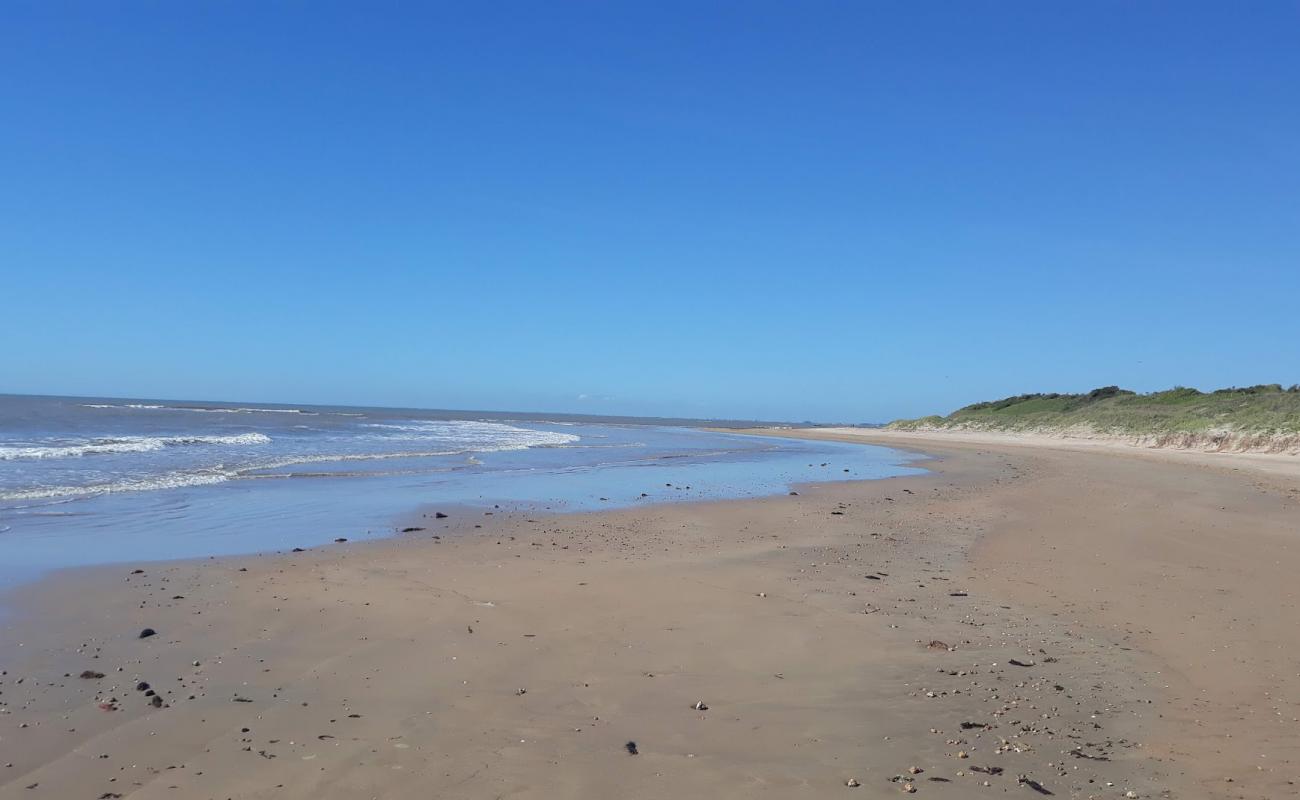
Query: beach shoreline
[[1280, 463], [845, 634]]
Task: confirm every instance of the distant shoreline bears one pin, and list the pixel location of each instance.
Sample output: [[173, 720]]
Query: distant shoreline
[[1265, 460]]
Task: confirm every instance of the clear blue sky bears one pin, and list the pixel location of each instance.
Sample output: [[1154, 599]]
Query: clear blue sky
[[835, 211]]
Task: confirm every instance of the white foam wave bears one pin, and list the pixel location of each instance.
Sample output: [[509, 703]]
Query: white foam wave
[[477, 435], [242, 410], [118, 405], [201, 409], [440, 438], [175, 480], [126, 444]]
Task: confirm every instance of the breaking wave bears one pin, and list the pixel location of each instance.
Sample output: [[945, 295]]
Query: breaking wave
[[126, 444]]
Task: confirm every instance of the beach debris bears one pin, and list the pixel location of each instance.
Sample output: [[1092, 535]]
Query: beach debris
[[412, 529], [631, 748], [762, 594], [439, 515], [700, 705], [521, 691], [240, 699], [962, 754], [299, 550], [341, 540], [872, 577], [914, 770], [796, 494], [1025, 780], [157, 701], [935, 644], [852, 783], [958, 594], [91, 675], [142, 687], [909, 788], [1017, 663], [147, 632], [966, 726]]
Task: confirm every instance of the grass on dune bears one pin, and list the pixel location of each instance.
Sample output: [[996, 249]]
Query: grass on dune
[[1267, 409]]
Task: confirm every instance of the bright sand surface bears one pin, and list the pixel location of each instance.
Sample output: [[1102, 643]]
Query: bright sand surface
[[1024, 620]]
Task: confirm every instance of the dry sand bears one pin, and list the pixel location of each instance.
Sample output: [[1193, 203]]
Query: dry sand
[[1023, 621]]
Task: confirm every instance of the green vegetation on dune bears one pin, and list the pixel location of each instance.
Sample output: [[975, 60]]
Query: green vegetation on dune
[[1264, 410]]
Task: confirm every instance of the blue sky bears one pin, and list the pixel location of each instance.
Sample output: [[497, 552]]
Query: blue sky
[[831, 211]]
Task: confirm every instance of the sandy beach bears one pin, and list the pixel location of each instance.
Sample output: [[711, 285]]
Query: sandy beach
[[1025, 620]]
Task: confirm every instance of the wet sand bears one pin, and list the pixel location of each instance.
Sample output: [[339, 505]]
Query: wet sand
[[1024, 621]]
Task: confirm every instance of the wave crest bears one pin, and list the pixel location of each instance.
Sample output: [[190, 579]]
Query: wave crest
[[126, 444]]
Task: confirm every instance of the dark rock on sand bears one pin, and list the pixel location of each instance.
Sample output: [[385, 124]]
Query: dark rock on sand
[[631, 748], [147, 632], [91, 675], [1025, 780]]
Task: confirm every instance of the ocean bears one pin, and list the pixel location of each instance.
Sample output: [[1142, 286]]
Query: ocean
[[88, 481]]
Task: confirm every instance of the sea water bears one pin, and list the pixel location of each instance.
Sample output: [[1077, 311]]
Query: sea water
[[88, 481]]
